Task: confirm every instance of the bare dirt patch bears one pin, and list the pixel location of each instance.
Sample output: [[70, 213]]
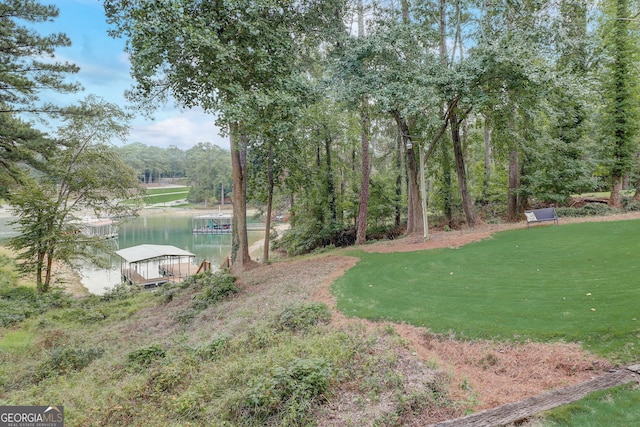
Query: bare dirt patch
[[457, 238]]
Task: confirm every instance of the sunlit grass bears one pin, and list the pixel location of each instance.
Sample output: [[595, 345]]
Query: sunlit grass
[[16, 340], [576, 282]]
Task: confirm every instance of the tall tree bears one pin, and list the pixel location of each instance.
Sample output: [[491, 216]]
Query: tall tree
[[81, 173], [224, 56], [365, 123], [27, 67], [621, 94]]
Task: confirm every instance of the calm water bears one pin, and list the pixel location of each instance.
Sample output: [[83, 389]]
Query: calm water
[[159, 229], [165, 229]]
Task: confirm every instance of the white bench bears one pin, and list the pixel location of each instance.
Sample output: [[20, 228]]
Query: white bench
[[541, 215]]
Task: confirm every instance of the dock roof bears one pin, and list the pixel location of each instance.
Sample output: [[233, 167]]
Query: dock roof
[[146, 252]]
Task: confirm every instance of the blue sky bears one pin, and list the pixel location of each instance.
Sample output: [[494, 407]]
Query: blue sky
[[104, 71]]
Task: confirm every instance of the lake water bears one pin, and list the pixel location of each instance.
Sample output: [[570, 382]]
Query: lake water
[[173, 229]]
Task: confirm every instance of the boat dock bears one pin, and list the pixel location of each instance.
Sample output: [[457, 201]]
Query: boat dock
[[154, 265], [212, 224], [219, 223]]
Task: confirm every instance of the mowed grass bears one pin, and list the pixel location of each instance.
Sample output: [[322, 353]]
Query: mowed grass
[[574, 282], [619, 406]]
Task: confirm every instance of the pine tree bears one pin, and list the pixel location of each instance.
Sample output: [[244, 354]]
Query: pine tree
[[27, 60]]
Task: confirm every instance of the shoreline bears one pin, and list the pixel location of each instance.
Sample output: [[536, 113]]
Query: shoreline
[[71, 280]]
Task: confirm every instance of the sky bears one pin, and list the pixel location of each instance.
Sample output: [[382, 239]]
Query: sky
[[104, 71]]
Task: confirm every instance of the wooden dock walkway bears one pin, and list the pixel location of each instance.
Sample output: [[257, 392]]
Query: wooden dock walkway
[[132, 277]]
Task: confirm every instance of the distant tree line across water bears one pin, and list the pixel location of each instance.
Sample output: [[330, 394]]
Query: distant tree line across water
[[205, 167]]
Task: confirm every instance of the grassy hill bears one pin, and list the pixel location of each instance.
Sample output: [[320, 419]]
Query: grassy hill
[[259, 354]]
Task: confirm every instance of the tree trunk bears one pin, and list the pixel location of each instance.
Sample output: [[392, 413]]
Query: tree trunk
[[512, 196], [446, 166], [398, 180], [39, 268], [270, 185], [447, 192], [487, 161], [615, 200], [47, 277], [331, 189], [467, 203], [239, 241], [415, 223], [361, 225]]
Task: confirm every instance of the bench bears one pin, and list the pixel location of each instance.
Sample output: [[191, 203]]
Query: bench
[[541, 215]]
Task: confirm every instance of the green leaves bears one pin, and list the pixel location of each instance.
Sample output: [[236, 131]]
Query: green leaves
[[81, 172]]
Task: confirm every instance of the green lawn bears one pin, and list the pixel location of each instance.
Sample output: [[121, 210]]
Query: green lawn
[[166, 197], [577, 282], [165, 190], [156, 196], [619, 406]]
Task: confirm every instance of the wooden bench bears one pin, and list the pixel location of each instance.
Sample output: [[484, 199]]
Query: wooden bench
[[541, 215]]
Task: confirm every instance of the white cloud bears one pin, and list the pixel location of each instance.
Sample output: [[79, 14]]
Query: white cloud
[[183, 130]]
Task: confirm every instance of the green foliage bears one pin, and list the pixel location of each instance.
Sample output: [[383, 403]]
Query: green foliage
[[215, 349], [18, 303], [61, 361], [303, 317], [620, 37], [121, 292], [26, 66], [145, 356], [209, 171], [591, 209], [8, 274], [287, 392], [214, 287], [309, 234], [79, 314], [45, 202]]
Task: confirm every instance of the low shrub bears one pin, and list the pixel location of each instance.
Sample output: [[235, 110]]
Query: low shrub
[[186, 316], [215, 287], [18, 303], [303, 317], [216, 348], [146, 356], [591, 209], [631, 205], [65, 360], [121, 292], [287, 392], [79, 315]]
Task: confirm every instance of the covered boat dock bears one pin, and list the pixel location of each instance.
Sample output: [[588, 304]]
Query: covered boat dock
[[154, 265], [212, 224], [105, 228]]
